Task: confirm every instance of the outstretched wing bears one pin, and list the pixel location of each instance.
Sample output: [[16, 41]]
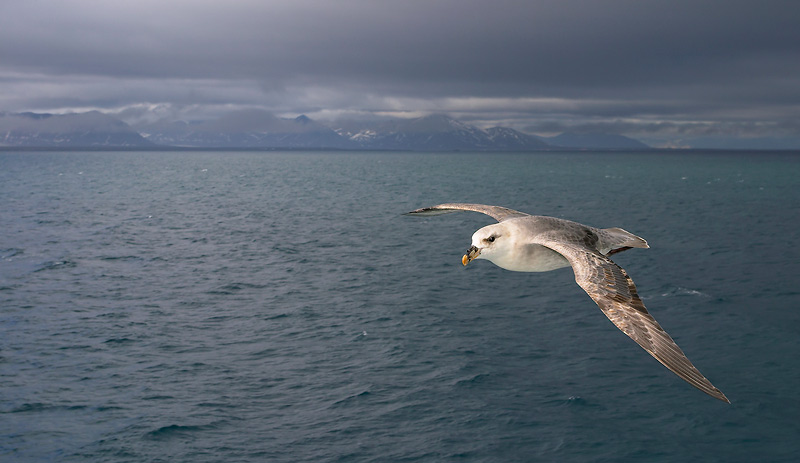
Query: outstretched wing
[[613, 290], [498, 213]]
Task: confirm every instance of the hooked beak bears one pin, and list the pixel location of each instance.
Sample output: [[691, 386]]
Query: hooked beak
[[472, 253]]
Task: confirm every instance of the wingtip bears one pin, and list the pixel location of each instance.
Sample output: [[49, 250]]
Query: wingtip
[[708, 388], [434, 210], [415, 212], [721, 397]]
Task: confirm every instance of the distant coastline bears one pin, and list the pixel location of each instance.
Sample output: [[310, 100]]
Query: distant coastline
[[554, 150]]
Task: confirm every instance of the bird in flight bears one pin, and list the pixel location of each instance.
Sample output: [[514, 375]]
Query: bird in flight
[[529, 243]]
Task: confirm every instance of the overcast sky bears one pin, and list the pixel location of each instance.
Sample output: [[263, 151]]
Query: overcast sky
[[637, 67]]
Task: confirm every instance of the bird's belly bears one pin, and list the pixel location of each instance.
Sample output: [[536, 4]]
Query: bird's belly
[[535, 258]]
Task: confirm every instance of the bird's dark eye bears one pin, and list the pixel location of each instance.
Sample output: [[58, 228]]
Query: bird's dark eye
[[490, 239]]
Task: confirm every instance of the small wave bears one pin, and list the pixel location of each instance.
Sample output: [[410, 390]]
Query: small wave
[[572, 401], [681, 291], [29, 407], [232, 288], [42, 407], [176, 431], [118, 341], [120, 258], [475, 379], [10, 253], [575, 400], [55, 265], [224, 290], [76, 347], [158, 397], [351, 398]]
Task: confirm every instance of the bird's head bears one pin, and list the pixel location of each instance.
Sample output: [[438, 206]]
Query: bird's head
[[490, 242]]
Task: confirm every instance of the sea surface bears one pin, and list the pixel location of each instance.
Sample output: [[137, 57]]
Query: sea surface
[[278, 307]]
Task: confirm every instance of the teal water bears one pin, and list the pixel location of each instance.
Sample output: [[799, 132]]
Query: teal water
[[252, 307]]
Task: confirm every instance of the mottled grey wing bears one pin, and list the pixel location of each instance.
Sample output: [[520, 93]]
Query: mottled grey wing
[[613, 290], [498, 213]]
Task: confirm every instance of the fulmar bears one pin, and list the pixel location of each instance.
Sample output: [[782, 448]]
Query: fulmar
[[529, 243]]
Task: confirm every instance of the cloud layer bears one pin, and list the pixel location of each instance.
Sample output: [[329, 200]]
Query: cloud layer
[[653, 67]]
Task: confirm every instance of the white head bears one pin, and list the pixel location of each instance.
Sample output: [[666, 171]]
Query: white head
[[492, 242]]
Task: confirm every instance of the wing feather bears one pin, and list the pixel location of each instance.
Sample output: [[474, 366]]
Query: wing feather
[[498, 213], [615, 293]]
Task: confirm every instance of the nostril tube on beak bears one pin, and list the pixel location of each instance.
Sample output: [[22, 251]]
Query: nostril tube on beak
[[472, 253]]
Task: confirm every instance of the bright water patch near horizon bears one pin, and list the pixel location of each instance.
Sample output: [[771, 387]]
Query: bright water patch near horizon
[[203, 307]]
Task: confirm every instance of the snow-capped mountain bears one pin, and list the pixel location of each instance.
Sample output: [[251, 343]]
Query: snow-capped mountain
[[437, 133], [245, 129], [505, 138], [430, 133]]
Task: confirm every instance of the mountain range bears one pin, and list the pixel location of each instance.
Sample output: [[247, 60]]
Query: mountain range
[[90, 129], [255, 129]]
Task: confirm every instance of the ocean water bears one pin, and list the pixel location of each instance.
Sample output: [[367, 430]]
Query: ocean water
[[278, 307]]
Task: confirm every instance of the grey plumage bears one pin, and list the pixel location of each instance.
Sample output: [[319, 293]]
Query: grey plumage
[[522, 242]]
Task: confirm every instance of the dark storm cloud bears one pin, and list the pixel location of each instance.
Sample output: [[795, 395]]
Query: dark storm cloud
[[678, 60]]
